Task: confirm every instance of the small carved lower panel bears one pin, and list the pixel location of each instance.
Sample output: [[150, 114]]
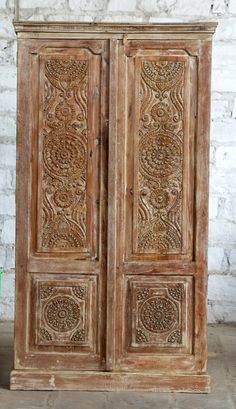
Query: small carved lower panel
[[160, 312], [64, 309]]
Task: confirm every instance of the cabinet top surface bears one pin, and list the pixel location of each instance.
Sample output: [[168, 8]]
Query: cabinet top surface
[[61, 27]]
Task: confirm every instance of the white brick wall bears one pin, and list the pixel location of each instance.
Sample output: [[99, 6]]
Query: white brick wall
[[222, 228]]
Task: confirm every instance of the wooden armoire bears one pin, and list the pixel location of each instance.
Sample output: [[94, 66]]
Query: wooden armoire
[[112, 206]]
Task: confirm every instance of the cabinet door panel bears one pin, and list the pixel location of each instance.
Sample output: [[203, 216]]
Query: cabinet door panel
[[156, 163], [62, 269], [63, 320], [159, 315], [159, 162]]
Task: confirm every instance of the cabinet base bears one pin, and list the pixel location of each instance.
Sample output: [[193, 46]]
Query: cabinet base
[[108, 381]]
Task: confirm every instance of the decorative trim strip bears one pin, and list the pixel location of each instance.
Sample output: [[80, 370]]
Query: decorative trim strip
[[119, 28]]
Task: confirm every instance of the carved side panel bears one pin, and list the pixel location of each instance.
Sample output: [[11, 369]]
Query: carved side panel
[[160, 313], [64, 112], [161, 157], [67, 161], [64, 311]]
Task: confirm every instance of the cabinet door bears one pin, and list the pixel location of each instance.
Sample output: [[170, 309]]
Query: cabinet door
[[61, 196], [157, 277]]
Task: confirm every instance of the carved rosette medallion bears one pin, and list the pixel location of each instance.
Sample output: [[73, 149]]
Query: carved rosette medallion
[[160, 155], [65, 155], [157, 314], [62, 314], [62, 207]]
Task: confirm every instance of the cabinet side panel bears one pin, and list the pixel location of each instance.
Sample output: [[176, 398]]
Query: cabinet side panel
[[22, 205]]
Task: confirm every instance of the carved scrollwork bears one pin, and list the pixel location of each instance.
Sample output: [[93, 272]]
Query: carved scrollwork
[[64, 155], [64, 73], [160, 152], [62, 233], [159, 234], [162, 75]]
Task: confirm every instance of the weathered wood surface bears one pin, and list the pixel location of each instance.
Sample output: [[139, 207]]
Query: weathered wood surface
[[108, 381], [112, 196]]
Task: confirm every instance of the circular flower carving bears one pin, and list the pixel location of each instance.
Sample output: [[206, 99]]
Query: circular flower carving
[[161, 112], [65, 112], [159, 154], [158, 314], [65, 154], [159, 199], [62, 314], [63, 198]]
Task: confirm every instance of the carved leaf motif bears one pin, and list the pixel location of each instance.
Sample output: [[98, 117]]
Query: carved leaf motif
[[46, 292], [176, 292], [175, 337], [160, 172], [80, 291], [64, 155], [45, 335], [142, 293], [78, 336], [162, 75], [141, 336]]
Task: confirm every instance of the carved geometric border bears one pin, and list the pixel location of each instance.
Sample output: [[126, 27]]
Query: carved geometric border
[[63, 312], [160, 314]]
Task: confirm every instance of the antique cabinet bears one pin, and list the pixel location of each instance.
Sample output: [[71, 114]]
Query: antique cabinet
[[112, 206]]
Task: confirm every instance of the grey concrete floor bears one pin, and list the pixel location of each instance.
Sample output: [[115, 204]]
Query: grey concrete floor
[[222, 367]]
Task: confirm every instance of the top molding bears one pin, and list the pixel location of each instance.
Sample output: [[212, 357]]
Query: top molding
[[37, 29]]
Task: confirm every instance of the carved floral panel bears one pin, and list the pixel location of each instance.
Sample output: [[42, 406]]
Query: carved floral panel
[[158, 312], [64, 315], [63, 149], [160, 153]]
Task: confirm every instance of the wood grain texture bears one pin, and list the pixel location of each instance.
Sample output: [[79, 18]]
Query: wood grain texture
[[64, 196], [105, 381], [112, 197], [160, 163]]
